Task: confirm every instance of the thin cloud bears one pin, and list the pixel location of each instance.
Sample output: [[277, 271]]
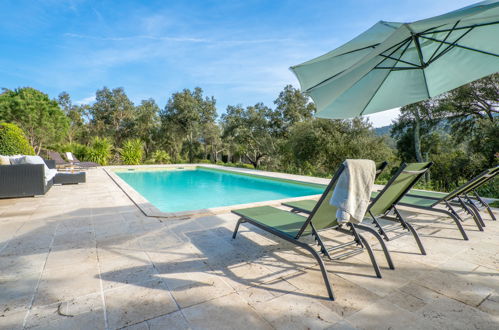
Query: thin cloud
[[145, 37], [86, 100], [181, 39]]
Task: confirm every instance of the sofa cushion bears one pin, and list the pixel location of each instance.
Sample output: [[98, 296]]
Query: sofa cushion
[[16, 159], [48, 173], [51, 173], [4, 160]]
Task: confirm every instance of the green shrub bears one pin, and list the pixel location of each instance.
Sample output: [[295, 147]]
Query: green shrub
[[160, 157], [131, 152], [99, 151], [204, 161], [13, 141], [243, 165], [79, 150], [490, 190]]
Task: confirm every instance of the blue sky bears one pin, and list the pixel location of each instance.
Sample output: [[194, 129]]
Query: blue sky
[[238, 51]]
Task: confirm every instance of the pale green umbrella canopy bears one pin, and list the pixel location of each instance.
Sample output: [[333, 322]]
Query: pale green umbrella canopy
[[394, 64]]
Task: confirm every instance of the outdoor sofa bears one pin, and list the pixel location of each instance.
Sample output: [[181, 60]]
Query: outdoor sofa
[[22, 180], [25, 180]]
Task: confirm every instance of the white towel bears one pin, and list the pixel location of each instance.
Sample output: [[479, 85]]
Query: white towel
[[352, 192]]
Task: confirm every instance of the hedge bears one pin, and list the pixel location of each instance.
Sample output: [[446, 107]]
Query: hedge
[[13, 141]]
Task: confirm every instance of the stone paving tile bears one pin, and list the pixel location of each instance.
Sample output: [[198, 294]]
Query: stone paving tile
[[77, 240], [61, 284], [342, 325], [227, 312], [12, 321], [135, 303], [266, 291], [63, 257], [190, 288], [454, 286], [349, 298], [172, 321], [445, 313], [384, 315], [292, 311], [115, 275], [79, 313], [491, 304]]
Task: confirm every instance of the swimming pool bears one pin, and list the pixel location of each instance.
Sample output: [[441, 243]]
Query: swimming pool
[[199, 188]]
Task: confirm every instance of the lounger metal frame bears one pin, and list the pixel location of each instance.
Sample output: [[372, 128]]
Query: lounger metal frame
[[393, 207], [397, 218], [460, 198], [350, 230]]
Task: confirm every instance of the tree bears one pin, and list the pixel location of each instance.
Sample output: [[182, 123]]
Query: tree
[[473, 111], [75, 114], [213, 142], [185, 116], [478, 99], [458, 130], [251, 128], [39, 117], [319, 146], [414, 122], [146, 123], [292, 106], [112, 114]]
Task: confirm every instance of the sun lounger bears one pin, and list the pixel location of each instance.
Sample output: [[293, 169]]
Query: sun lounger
[[59, 161], [385, 201], [460, 197], [292, 227], [72, 158]]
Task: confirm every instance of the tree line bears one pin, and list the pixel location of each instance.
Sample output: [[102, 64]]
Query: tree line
[[459, 131]]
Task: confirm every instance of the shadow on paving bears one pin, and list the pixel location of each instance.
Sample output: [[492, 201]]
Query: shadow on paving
[[253, 259]]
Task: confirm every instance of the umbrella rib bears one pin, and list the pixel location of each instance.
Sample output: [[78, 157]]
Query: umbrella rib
[[415, 38], [445, 39], [449, 47], [459, 28], [397, 46], [356, 50], [386, 77], [455, 44], [394, 58], [400, 44], [346, 53]]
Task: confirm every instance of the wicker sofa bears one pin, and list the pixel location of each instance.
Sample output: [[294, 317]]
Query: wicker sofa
[[24, 180]]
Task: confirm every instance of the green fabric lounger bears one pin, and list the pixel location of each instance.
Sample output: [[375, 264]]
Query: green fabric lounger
[[385, 201], [461, 196], [292, 227]]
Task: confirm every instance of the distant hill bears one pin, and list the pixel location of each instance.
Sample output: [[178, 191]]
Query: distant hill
[[384, 130]]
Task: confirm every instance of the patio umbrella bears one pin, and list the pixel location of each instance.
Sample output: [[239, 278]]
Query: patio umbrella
[[394, 64]]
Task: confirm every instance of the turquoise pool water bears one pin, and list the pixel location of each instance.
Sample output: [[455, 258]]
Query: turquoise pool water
[[200, 188]]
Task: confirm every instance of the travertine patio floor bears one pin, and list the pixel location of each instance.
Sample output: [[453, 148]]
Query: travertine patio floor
[[85, 257]]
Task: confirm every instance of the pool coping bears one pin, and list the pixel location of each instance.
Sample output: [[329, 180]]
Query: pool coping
[[148, 209]]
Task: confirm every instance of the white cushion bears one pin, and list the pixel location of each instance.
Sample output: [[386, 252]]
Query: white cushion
[[16, 159], [4, 160], [48, 174]]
